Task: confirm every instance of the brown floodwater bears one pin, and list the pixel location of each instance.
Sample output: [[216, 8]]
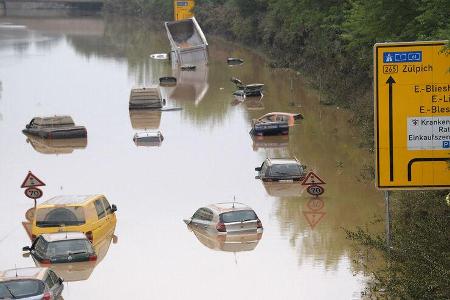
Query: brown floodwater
[[85, 67]]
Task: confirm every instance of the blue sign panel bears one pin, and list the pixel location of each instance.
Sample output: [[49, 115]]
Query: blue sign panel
[[182, 3], [402, 57], [446, 144]]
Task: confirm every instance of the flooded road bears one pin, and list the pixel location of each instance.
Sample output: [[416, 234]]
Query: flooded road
[[86, 68]]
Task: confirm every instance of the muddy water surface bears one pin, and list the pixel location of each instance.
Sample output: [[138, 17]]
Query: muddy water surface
[[85, 68]]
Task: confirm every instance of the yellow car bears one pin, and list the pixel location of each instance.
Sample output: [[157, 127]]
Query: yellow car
[[90, 214]]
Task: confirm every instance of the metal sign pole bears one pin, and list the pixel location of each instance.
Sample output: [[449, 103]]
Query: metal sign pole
[[387, 206]]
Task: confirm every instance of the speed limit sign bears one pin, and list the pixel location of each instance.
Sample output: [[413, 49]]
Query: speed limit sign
[[33, 193], [315, 190]]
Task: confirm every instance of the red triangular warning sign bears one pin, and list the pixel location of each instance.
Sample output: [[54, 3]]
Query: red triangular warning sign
[[31, 180], [313, 217], [311, 179]]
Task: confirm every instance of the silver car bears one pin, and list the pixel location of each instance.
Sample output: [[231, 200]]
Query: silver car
[[30, 284], [226, 218], [281, 169]]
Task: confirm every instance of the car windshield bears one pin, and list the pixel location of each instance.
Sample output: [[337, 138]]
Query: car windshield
[[60, 216], [238, 216], [286, 169], [63, 248], [17, 289]]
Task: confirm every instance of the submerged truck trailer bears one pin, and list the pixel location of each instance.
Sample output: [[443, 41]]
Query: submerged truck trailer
[[188, 43]]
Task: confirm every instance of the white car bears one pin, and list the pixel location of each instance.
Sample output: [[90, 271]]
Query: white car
[[226, 218], [30, 284]]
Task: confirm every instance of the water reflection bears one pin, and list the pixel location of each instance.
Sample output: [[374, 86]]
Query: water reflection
[[270, 142], [145, 118], [227, 242], [284, 189], [23, 35], [313, 211], [56, 146], [191, 85]]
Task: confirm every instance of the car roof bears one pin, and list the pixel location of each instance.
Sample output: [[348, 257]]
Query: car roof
[[228, 206], [68, 199], [282, 161], [63, 236], [54, 120], [278, 113], [155, 134], [23, 273]]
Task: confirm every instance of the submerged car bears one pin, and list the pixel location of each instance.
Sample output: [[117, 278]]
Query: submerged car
[[226, 218], [89, 214], [78, 271], [248, 90], [276, 169], [274, 123], [270, 128], [290, 118], [148, 138], [62, 247], [146, 98], [30, 284], [57, 127]]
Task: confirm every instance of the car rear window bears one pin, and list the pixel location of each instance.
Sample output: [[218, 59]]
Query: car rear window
[[238, 216], [59, 216], [16, 289], [63, 248], [285, 170]]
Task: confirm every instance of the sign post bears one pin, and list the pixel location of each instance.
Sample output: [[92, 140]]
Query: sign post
[[30, 183], [412, 115]]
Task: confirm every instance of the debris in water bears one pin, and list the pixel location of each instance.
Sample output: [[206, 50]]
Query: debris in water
[[233, 61], [167, 81], [160, 56]]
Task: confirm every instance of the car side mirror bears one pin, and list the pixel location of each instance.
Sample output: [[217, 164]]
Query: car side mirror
[[60, 280], [27, 248], [258, 169], [113, 208]]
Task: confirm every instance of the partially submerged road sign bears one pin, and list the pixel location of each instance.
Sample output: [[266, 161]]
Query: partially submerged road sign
[[312, 179], [33, 193], [31, 181], [412, 115]]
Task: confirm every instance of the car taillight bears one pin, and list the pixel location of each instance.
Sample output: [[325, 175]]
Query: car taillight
[[47, 296], [221, 227], [90, 236], [92, 257], [45, 261], [259, 224]]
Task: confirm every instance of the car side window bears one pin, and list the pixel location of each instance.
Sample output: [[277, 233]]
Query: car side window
[[264, 169], [197, 214], [203, 214], [99, 208], [53, 276], [49, 282], [208, 214], [107, 206], [40, 246]]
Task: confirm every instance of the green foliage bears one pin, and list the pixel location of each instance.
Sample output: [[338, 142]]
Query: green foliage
[[417, 265], [157, 9]]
